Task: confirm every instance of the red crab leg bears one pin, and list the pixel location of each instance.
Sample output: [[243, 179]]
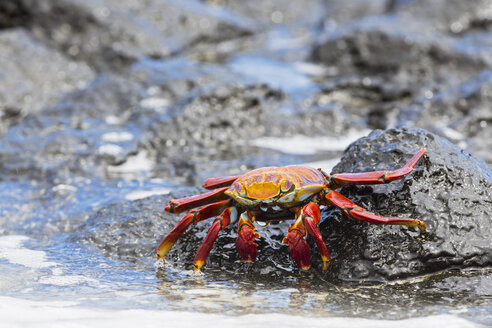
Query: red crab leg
[[311, 216], [193, 217], [228, 216], [354, 211], [186, 203], [299, 248], [245, 242], [377, 177], [212, 183]]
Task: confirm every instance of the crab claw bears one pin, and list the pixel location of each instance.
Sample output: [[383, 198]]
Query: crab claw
[[299, 248], [245, 242]]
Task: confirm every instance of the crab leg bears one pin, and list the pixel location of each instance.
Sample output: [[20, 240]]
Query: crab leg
[[186, 203], [311, 216], [377, 177], [245, 242], [354, 211], [193, 217], [228, 216], [299, 248], [212, 183]]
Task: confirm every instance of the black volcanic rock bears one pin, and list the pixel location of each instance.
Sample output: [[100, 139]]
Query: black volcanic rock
[[27, 85], [103, 35], [449, 190]]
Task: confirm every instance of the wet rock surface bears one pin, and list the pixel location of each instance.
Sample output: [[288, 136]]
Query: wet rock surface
[[110, 108], [449, 190], [21, 78]]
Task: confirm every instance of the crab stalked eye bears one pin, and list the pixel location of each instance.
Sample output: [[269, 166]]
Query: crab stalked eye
[[238, 188], [286, 185]]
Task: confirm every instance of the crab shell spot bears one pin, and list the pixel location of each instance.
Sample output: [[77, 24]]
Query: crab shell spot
[[262, 190]]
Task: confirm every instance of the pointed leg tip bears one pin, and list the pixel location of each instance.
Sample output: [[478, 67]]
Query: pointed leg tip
[[161, 252], [164, 248], [197, 265], [326, 264], [422, 226]]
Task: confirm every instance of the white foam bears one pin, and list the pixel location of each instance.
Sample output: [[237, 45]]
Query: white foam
[[134, 164], [69, 314], [155, 103], [113, 120], [139, 194], [326, 166], [57, 278], [64, 187], [66, 280], [310, 68], [452, 134], [12, 250], [304, 145], [274, 73], [117, 137], [110, 149]]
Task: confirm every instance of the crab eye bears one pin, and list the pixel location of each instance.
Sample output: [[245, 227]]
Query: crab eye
[[287, 185], [238, 188]]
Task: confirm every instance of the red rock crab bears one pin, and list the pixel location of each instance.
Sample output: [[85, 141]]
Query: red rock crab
[[273, 194]]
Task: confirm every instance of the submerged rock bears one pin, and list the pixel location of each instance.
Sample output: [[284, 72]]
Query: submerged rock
[[449, 190], [126, 230]]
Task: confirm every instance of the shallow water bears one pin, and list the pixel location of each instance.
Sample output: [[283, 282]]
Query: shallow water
[[48, 272], [62, 280]]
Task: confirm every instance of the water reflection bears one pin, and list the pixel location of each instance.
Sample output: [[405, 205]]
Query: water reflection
[[312, 296]]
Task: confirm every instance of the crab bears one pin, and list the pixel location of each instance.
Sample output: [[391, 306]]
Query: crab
[[274, 194]]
